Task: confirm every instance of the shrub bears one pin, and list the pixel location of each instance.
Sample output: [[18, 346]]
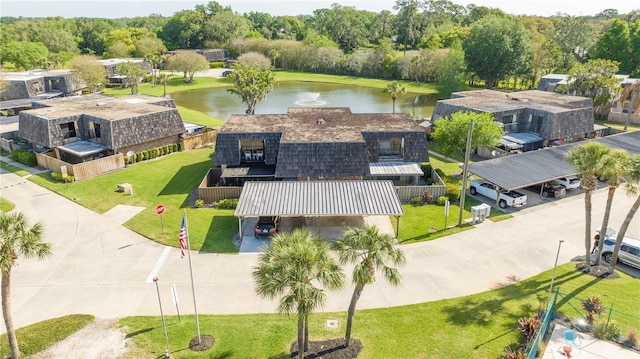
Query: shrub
[[452, 192], [529, 326], [58, 177], [593, 306], [416, 200], [514, 354], [441, 173], [216, 64], [632, 339], [229, 203], [427, 196], [25, 157], [175, 147], [180, 146], [603, 331], [442, 200], [199, 202]]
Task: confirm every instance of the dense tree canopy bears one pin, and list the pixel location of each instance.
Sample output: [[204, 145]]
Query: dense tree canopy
[[452, 132], [497, 47]]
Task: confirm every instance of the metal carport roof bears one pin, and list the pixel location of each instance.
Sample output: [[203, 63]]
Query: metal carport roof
[[318, 198], [528, 168]]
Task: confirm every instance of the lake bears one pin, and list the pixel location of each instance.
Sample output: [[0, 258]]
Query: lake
[[217, 102]]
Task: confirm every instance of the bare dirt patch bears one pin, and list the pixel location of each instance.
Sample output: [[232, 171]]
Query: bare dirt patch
[[100, 339]]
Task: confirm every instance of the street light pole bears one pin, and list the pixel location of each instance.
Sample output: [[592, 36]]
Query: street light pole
[[464, 173], [553, 275], [164, 326]]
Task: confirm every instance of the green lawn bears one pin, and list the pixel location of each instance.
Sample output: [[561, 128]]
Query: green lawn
[[426, 222], [476, 326], [168, 181], [6, 205], [13, 169], [40, 336]]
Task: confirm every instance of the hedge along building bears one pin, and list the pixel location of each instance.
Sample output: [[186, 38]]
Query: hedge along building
[[82, 128]]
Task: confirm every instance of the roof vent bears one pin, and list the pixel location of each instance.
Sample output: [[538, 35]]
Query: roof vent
[[320, 121]]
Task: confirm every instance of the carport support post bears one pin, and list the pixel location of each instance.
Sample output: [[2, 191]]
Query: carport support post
[[397, 225], [240, 227], [464, 173]]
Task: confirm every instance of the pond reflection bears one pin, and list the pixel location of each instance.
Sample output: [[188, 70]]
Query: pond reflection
[[219, 103]]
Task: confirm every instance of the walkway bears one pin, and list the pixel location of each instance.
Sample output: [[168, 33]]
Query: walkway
[[101, 268]]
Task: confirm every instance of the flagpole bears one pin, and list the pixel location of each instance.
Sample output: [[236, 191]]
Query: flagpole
[[193, 288]]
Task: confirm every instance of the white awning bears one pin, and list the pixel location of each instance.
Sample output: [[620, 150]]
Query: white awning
[[395, 169]]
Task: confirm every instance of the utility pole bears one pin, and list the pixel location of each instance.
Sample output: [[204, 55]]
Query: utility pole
[[463, 191]]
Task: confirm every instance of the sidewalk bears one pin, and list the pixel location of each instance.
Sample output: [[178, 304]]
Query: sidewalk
[[31, 170]]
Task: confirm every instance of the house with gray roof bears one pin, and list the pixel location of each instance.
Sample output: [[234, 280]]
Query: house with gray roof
[[82, 128], [320, 144], [40, 84], [532, 119]]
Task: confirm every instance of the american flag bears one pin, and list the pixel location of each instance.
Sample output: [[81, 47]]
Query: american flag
[[183, 235]]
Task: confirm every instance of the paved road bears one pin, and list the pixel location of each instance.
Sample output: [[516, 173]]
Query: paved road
[[104, 269]]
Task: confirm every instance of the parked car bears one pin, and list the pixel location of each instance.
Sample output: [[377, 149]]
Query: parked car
[[226, 73], [629, 251], [265, 227], [548, 189], [570, 182], [488, 189]]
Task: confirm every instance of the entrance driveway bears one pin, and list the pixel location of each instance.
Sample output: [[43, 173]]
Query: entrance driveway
[[101, 268]]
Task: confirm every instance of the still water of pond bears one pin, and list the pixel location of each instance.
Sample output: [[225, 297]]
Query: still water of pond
[[219, 103]]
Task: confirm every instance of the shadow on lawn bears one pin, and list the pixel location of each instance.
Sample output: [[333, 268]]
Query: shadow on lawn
[[472, 311], [220, 235], [186, 179]]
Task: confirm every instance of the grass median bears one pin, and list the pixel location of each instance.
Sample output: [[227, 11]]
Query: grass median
[[475, 326]]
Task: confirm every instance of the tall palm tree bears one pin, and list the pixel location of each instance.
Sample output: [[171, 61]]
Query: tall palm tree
[[289, 267], [633, 187], [164, 78], [586, 159], [17, 238], [370, 251], [613, 166], [394, 89]]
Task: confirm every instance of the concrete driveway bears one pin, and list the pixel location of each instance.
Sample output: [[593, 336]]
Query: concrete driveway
[[104, 269]]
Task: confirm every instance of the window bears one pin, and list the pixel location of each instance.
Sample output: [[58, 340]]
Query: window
[[509, 123], [536, 124], [94, 130], [68, 129], [391, 147], [251, 150]]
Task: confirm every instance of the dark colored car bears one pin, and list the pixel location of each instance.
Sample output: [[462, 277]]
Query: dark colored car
[[226, 73], [549, 190], [265, 227]]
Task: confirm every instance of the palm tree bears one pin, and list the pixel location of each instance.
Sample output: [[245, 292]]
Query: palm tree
[[289, 267], [393, 89], [633, 184], [17, 238], [164, 78], [370, 251], [613, 166], [586, 159]]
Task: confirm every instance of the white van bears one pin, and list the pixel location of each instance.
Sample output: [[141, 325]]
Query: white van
[[629, 251]]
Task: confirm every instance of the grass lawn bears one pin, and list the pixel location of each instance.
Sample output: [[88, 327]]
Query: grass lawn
[[475, 326], [426, 222], [13, 169], [6, 205], [165, 180], [40, 336], [193, 116]]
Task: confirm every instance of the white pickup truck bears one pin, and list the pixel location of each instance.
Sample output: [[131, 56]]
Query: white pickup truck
[[487, 189]]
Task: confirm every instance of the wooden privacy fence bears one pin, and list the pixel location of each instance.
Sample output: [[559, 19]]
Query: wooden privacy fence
[[405, 193], [85, 170], [196, 141]]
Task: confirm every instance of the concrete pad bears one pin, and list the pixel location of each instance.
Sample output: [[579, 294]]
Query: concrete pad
[[122, 213], [588, 348]]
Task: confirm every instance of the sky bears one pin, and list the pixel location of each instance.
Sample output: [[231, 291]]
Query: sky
[[133, 8]]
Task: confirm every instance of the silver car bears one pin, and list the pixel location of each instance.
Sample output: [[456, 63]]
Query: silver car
[[629, 251]]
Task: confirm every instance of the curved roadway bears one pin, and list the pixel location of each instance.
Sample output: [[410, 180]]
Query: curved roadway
[[101, 268]]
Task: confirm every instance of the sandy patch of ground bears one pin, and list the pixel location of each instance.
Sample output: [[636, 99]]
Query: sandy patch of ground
[[101, 339]]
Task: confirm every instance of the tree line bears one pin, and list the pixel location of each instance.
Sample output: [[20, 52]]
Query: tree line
[[425, 41]]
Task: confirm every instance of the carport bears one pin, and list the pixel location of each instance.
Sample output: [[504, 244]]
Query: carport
[[533, 167], [318, 199]]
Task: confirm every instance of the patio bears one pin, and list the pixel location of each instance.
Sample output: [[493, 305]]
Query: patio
[[588, 348]]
